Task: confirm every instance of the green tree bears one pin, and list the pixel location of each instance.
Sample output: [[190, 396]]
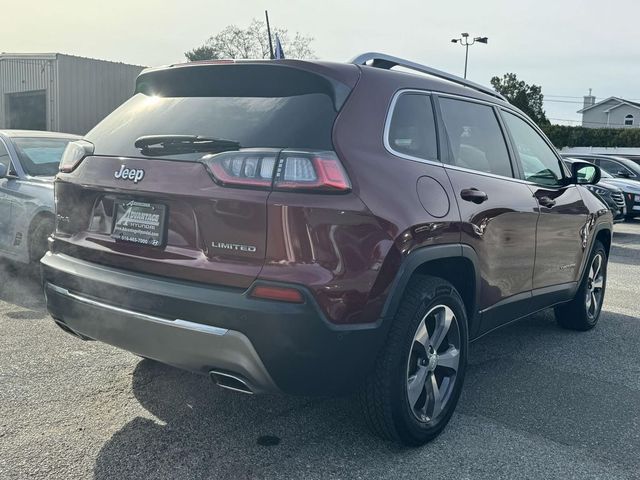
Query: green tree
[[204, 52], [527, 98], [252, 42]]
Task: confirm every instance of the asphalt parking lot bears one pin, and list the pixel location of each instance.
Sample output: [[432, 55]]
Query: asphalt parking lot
[[539, 402]]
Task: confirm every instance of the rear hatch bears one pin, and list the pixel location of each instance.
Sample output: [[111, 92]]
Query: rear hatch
[[175, 181]]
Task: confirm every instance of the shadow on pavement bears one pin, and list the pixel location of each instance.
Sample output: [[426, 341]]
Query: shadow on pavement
[[207, 432], [532, 378]]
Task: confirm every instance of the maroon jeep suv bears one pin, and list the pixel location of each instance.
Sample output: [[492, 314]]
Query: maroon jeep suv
[[319, 228]]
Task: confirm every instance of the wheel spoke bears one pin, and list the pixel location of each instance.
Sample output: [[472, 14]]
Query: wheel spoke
[[597, 263], [416, 385], [450, 359], [594, 302], [434, 398], [589, 300], [443, 323], [598, 282], [422, 335]]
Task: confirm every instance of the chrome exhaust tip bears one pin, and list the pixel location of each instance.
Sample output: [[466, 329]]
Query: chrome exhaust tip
[[230, 382]]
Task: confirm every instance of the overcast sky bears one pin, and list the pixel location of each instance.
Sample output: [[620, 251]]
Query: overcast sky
[[566, 46]]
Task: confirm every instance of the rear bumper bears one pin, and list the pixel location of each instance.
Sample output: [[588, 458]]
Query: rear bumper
[[272, 346]]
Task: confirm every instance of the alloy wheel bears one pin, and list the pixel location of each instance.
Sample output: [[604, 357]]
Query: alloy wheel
[[433, 363], [595, 285]]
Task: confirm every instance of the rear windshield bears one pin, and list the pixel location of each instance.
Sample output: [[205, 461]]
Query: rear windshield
[[236, 104], [40, 156]]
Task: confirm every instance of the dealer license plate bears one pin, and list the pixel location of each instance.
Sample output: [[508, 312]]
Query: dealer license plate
[[139, 222]]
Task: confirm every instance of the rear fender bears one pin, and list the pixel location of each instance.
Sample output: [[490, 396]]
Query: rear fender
[[418, 261]]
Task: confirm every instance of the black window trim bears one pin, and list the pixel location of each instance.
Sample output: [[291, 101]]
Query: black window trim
[[563, 167], [12, 172], [516, 174], [389, 117]]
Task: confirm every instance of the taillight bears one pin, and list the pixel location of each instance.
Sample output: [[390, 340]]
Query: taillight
[[320, 171], [74, 153], [249, 168], [281, 170]]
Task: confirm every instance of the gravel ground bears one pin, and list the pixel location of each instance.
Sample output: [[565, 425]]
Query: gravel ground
[[539, 402]]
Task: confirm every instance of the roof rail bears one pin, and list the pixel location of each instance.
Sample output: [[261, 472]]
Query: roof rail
[[382, 60]]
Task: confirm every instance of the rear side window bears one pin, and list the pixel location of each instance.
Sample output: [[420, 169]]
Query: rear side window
[[412, 128], [539, 163], [475, 137], [247, 105], [615, 168]]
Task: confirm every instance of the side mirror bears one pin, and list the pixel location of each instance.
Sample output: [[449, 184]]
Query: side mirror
[[585, 173], [623, 174], [3, 170]]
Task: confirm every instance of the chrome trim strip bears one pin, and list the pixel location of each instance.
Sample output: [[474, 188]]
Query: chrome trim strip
[[178, 323], [387, 127], [443, 164], [487, 174]]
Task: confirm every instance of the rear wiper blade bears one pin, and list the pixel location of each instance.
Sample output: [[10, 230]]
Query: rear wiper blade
[[164, 144]]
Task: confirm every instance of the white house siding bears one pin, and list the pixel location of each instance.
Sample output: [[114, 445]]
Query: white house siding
[[597, 117]]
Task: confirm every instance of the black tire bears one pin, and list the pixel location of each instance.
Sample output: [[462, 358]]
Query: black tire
[[385, 396], [581, 313], [38, 240]]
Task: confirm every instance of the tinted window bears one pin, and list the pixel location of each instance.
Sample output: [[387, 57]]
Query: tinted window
[[614, 168], [412, 128], [303, 121], [475, 137], [539, 163], [263, 106], [4, 156], [40, 156]]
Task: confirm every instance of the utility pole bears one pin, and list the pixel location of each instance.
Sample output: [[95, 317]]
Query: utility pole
[[464, 41]]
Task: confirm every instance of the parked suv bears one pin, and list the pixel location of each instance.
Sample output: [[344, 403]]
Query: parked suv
[[319, 228], [621, 172], [610, 194]]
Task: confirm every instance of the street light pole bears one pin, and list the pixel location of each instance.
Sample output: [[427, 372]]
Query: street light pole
[[464, 41], [466, 59]]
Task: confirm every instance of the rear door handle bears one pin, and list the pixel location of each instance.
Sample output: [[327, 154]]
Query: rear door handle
[[546, 202], [473, 195]]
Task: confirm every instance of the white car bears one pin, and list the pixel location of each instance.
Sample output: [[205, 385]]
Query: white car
[[28, 163]]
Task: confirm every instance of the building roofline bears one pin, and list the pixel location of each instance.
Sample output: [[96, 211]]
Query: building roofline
[[599, 103], [55, 55], [623, 102]]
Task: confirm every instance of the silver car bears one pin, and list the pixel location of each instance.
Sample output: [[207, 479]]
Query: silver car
[[28, 162]]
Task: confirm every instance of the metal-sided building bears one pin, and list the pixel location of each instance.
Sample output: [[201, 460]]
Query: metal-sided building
[[57, 92]]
